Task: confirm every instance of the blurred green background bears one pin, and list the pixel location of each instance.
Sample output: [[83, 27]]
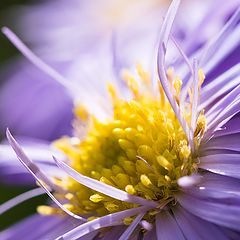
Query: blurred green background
[[7, 51]]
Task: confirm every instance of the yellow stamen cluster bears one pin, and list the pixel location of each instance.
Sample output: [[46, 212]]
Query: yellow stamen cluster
[[141, 149]]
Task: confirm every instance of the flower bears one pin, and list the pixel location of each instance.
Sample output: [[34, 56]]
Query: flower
[[163, 165]]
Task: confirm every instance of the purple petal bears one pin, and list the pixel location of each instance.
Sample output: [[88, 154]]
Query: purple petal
[[216, 188], [104, 188], [50, 98], [37, 61], [214, 44], [164, 37], [220, 105], [39, 227], [194, 227], [105, 221], [228, 142], [132, 227], [167, 227], [39, 176], [224, 164], [221, 85], [224, 213], [27, 163], [20, 198], [195, 97], [231, 127]]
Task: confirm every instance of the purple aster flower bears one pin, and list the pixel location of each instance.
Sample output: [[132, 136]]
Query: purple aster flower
[[163, 164]]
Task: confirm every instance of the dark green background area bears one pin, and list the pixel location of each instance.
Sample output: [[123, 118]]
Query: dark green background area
[[7, 51]]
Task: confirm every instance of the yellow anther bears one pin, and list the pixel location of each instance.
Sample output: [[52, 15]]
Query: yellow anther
[[130, 133], [112, 91], [122, 180], [111, 207], [69, 196], [127, 221], [177, 83], [201, 77], [95, 175], [125, 144], [145, 180], [129, 167], [162, 161], [130, 189], [81, 112], [145, 77], [119, 132], [185, 151], [105, 180], [96, 198], [46, 210], [201, 125], [146, 152], [170, 74], [92, 218], [143, 167], [131, 83], [116, 169]]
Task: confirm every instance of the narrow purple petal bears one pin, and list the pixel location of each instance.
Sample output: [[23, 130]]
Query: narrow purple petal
[[228, 142], [214, 44], [164, 37], [20, 198], [231, 127], [104, 188], [36, 60], [167, 227], [32, 169], [105, 221], [132, 227], [220, 105], [221, 85], [195, 98], [28, 164], [224, 116]]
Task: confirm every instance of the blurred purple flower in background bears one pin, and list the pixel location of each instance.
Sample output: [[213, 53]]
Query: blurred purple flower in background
[[70, 37], [63, 31], [150, 161]]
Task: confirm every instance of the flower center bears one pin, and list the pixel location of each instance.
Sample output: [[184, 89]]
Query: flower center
[[142, 149]]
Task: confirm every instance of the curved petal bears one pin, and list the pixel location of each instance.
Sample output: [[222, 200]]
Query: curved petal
[[224, 164], [51, 228], [105, 221], [194, 227], [225, 213], [167, 227], [104, 188]]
